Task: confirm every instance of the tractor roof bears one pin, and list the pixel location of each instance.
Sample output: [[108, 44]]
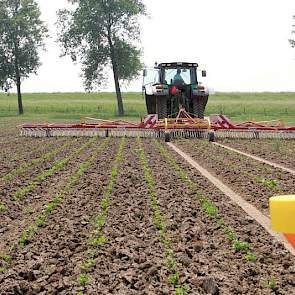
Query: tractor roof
[[178, 64]]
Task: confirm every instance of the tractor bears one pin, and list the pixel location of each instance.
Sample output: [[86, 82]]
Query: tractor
[[168, 87]]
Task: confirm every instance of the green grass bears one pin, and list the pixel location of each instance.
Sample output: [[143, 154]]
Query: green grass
[[73, 106]]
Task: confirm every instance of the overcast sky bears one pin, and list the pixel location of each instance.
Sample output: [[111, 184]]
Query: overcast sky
[[243, 45]]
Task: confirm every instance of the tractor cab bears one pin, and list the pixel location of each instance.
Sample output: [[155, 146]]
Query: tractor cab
[[170, 86]]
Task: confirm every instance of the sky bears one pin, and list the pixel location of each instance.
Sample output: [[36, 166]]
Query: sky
[[243, 45]]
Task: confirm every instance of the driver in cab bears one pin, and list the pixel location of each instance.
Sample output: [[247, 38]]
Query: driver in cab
[[178, 80]]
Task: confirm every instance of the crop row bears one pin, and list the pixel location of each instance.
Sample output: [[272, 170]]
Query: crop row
[[269, 183], [209, 207], [160, 225], [56, 166], [40, 220], [23, 168], [98, 237]]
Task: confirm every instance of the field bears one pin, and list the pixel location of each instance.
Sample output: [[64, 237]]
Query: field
[[130, 216], [73, 106]]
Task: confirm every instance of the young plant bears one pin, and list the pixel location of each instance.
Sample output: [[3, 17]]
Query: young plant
[[173, 279], [6, 258], [206, 204], [2, 207], [250, 257], [84, 279], [181, 290]]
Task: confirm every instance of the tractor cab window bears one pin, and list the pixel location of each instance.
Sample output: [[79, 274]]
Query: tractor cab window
[[177, 76], [151, 76]]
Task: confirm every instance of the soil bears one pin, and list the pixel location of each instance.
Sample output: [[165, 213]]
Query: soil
[[281, 152], [13, 156], [255, 181], [50, 263], [132, 260]]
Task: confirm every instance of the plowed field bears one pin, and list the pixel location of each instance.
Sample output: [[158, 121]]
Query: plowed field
[[130, 216]]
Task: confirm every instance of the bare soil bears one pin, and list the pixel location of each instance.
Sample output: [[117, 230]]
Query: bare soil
[[255, 181], [278, 151], [132, 261]]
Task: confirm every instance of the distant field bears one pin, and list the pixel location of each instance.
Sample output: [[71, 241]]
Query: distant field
[[73, 106]]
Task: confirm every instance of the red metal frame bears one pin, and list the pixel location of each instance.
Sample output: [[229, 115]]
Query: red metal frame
[[217, 122]]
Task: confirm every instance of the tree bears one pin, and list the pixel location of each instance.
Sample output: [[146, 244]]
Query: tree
[[101, 33], [21, 34], [292, 41]]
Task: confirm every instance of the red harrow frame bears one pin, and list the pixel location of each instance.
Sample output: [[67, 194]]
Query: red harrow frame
[[215, 126]]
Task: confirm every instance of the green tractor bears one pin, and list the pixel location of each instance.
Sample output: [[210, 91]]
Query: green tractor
[[171, 86]]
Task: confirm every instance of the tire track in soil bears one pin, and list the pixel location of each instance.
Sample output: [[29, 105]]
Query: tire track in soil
[[202, 245], [234, 174], [131, 261], [19, 215], [49, 264], [13, 159]]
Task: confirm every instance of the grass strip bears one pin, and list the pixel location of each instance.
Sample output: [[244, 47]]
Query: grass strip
[[209, 207], [98, 238], [160, 225], [34, 162], [57, 165], [40, 220]]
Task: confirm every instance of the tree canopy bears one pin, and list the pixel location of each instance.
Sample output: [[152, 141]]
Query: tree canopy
[[100, 34], [292, 41], [21, 35]]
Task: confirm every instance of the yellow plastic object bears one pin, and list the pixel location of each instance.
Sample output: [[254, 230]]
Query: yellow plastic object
[[282, 213]]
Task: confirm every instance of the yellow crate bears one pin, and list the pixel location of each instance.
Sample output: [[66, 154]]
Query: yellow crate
[[282, 213]]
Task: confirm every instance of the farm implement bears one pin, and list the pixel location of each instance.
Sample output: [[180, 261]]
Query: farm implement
[[184, 126], [176, 101]]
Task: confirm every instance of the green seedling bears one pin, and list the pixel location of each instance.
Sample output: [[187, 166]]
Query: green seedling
[[88, 264], [105, 203], [23, 241], [2, 270], [173, 279], [270, 183], [2, 207], [181, 290], [210, 208], [171, 264], [40, 221], [97, 242], [272, 284], [6, 258], [250, 257], [84, 279], [241, 246]]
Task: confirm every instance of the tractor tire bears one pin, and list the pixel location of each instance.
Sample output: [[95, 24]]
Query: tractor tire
[[162, 107], [199, 106], [151, 104]]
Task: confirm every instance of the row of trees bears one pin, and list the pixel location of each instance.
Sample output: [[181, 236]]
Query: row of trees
[[97, 33]]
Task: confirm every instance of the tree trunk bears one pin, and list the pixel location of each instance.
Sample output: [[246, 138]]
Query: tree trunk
[[118, 91], [116, 76], [18, 86], [19, 96]]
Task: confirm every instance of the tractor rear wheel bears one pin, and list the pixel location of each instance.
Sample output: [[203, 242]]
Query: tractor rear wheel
[[162, 107], [151, 104], [199, 106]]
